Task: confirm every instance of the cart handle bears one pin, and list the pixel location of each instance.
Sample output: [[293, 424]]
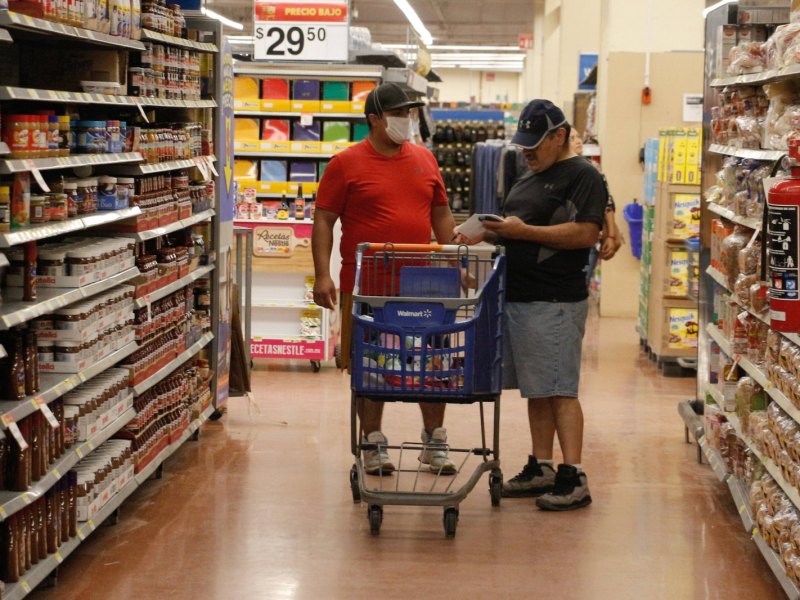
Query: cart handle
[[389, 246]]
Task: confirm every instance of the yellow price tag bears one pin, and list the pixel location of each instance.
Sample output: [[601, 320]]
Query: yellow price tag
[[25, 586], [59, 558], [91, 524]]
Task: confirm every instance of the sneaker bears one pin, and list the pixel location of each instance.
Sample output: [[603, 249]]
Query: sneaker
[[570, 491], [533, 480], [434, 452], [376, 462]]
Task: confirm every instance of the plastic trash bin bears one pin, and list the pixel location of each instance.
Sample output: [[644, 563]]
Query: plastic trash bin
[[634, 214]]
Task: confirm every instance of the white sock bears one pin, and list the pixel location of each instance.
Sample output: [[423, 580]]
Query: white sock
[[548, 462], [579, 467]]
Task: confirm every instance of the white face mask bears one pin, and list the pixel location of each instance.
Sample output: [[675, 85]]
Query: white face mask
[[398, 129]]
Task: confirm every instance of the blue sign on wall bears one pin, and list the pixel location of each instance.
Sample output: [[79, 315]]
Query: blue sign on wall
[[586, 62]]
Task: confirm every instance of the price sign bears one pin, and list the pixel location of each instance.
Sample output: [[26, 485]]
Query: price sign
[[301, 31]]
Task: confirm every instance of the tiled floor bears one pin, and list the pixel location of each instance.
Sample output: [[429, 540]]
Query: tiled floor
[[261, 506]]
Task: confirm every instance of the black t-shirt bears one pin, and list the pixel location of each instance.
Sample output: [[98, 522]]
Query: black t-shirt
[[571, 191]]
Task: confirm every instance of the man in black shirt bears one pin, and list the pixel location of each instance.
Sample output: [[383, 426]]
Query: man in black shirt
[[553, 215]]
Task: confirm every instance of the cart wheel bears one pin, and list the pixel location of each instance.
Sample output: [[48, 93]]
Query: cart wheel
[[354, 485], [337, 355], [316, 365], [450, 522], [495, 488], [375, 514]]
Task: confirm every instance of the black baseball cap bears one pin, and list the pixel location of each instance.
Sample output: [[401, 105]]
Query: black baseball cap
[[388, 96], [538, 118]]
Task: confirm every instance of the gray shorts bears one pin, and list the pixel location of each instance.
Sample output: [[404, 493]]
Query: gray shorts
[[542, 347]]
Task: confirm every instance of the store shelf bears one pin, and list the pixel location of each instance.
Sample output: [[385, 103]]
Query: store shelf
[[752, 370], [174, 286], [47, 230], [173, 165], [12, 502], [39, 572], [766, 155], [741, 499], [750, 222], [309, 304], [310, 71], [49, 300], [8, 166], [150, 234], [4, 149], [308, 155], [19, 21], [148, 471], [723, 281], [171, 40], [714, 459], [758, 78], [56, 385], [173, 364], [776, 566], [297, 115], [5, 37], [33, 94]]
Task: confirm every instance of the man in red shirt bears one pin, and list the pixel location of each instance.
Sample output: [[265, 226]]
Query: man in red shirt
[[383, 189]]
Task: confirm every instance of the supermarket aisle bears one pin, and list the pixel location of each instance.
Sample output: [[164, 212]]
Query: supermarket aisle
[[261, 507]]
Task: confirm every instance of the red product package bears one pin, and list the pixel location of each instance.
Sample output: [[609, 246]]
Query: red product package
[[275, 129], [274, 89]]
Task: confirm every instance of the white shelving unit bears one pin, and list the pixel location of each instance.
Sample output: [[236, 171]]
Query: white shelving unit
[[32, 94], [277, 296], [15, 312], [712, 160], [66, 162]]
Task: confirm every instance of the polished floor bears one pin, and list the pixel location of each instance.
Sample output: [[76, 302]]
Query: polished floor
[[261, 507]]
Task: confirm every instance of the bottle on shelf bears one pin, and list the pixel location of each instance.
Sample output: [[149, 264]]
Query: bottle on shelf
[[299, 204]]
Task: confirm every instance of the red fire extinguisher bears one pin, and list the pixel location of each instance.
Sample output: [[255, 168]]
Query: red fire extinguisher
[[783, 231]]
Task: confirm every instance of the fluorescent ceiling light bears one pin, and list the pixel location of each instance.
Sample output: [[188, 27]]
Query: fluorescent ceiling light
[[473, 48], [415, 21], [479, 67], [224, 20]]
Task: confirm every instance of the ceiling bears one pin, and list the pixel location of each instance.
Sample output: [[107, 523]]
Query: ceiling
[[472, 22]]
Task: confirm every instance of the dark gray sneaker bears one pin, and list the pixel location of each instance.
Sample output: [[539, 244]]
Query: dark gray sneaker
[[570, 491], [533, 480]]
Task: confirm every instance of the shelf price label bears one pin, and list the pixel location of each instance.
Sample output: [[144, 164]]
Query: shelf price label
[[301, 31]]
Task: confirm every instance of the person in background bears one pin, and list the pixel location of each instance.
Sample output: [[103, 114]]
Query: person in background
[[383, 189], [553, 215], [610, 237]]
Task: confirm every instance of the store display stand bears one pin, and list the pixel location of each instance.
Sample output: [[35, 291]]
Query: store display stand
[[712, 398], [282, 266], [15, 312]]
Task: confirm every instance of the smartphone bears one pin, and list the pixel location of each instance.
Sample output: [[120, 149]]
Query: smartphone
[[489, 218]]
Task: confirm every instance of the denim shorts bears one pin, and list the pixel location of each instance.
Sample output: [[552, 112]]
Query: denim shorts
[[542, 347]]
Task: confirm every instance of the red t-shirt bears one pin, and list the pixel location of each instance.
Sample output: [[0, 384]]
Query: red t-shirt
[[380, 198]]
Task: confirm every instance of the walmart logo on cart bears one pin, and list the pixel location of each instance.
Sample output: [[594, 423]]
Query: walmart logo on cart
[[425, 314]]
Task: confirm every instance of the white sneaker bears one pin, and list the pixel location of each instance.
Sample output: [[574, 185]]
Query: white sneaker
[[434, 452], [376, 462]]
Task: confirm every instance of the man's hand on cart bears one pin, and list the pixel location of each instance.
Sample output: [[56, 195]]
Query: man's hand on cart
[[325, 292]]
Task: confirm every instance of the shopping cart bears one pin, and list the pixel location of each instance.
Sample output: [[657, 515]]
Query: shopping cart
[[427, 327]]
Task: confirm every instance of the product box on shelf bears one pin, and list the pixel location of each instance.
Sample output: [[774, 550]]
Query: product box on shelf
[[67, 68], [683, 219], [246, 128], [726, 40], [676, 284]]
